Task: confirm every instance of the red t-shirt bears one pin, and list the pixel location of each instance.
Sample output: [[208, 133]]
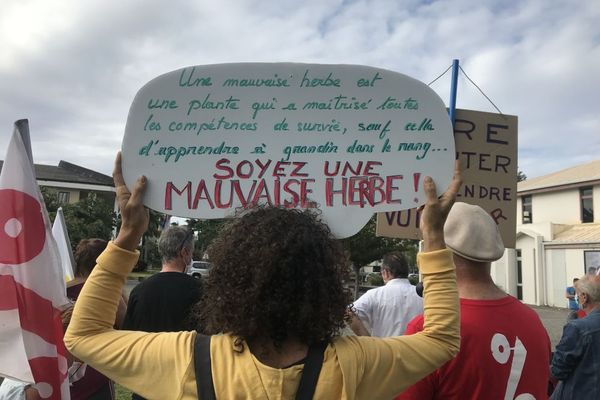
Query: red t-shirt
[[504, 353]]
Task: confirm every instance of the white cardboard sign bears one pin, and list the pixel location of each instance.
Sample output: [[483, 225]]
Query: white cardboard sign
[[350, 140]]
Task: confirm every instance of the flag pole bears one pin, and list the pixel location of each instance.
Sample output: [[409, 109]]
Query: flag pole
[[453, 91], [22, 127]]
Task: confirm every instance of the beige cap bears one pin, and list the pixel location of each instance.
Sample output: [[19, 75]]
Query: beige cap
[[471, 233]]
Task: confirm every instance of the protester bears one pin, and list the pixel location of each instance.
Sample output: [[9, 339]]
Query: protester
[[86, 253], [389, 308], [577, 355], [275, 292], [162, 302], [504, 346], [93, 385], [572, 299]]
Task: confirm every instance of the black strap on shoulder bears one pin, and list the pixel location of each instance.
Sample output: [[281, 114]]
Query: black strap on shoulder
[[204, 381], [312, 369]]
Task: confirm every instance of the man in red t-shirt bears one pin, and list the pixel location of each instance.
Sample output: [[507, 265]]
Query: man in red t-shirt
[[505, 350]]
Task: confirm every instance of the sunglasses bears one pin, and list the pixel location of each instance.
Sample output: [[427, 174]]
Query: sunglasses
[[189, 234]]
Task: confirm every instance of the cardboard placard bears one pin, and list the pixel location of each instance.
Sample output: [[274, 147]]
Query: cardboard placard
[[351, 140], [486, 144]]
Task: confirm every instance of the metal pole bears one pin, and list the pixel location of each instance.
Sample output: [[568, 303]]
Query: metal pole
[[453, 90]]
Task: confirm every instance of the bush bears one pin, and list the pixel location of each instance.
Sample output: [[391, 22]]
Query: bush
[[413, 279], [375, 279]]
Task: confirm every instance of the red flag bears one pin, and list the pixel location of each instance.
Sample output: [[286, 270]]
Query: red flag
[[31, 281]]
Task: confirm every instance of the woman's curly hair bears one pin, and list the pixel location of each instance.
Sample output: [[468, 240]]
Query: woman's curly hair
[[277, 274]]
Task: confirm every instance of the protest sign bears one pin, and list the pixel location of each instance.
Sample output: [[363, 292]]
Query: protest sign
[[350, 140], [486, 145]]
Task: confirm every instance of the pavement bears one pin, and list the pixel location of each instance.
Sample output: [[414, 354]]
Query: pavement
[[553, 319]]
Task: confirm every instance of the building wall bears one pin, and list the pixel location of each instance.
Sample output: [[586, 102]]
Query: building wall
[[546, 276], [560, 267], [557, 207], [73, 193], [498, 272], [562, 207], [596, 197], [528, 264], [556, 277]]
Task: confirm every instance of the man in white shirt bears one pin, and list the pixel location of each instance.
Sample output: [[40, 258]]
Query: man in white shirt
[[388, 309]]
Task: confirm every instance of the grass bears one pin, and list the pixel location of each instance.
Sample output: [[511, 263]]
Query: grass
[[136, 275], [122, 393]]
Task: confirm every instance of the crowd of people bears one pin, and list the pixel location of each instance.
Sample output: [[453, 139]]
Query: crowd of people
[[267, 322]]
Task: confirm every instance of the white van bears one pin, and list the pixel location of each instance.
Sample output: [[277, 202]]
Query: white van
[[200, 269]]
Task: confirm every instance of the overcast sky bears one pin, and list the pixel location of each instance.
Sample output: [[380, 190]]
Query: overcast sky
[[73, 67]]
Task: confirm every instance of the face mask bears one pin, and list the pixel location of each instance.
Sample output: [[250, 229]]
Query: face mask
[[580, 303]]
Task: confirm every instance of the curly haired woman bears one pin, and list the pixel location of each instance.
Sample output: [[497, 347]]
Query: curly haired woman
[[274, 295]]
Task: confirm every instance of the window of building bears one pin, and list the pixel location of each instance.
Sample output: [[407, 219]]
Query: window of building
[[587, 204], [63, 197], [526, 209], [519, 276], [591, 261]]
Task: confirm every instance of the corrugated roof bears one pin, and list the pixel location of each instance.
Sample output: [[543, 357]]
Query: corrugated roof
[[68, 172], [578, 174], [584, 233]]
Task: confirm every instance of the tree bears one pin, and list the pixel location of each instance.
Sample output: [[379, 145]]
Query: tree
[[521, 176], [206, 230], [91, 217], [365, 247]]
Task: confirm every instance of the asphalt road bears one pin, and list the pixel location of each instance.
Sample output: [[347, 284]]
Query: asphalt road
[[553, 319]]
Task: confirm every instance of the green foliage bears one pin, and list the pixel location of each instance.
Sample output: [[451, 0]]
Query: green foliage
[[91, 217], [413, 279], [150, 258], [365, 247], [121, 393], [375, 280], [207, 230]]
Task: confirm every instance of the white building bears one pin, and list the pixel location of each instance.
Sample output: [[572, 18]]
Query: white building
[[558, 235]]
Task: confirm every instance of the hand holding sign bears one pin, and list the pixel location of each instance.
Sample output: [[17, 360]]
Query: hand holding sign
[[134, 215], [436, 210], [351, 140]]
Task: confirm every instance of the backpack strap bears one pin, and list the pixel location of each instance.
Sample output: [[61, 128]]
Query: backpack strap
[[312, 369], [204, 381]]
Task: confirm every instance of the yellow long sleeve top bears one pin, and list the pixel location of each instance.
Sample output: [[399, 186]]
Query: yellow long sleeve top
[[161, 365]]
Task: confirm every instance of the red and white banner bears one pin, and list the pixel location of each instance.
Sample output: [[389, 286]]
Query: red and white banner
[[31, 282]]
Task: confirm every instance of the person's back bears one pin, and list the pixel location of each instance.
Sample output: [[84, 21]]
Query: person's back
[[505, 349], [388, 309], [162, 303]]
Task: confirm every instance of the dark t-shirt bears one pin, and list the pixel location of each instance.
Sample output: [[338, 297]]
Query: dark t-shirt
[[162, 303]]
